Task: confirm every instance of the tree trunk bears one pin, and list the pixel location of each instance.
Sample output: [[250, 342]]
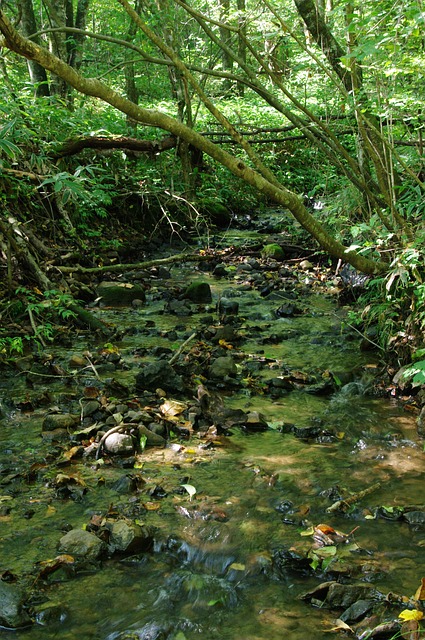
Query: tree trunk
[[37, 73], [275, 192]]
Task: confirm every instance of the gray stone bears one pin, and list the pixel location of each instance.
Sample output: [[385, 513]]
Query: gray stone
[[119, 294], [415, 517], [198, 292], [90, 407], [223, 367], [153, 439], [119, 443], [55, 421], [80, 543], [228, 307], [129, 537], [12, 613], [342, 596], [159, 374], [357, 611]]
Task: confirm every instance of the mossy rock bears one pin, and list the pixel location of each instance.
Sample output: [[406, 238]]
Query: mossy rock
[[199, 292], [119, 294], [273, 251]]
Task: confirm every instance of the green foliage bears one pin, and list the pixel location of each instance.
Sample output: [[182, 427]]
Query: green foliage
[[43, 310], [394, 305]]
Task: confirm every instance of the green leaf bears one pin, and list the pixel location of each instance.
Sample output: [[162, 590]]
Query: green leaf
[[142, 442], [190, 489]]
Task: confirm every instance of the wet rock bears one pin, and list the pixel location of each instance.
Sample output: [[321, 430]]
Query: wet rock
[[340, 596], [178, 307], [12, 612], [50, 613], [119, 294], [357, 611], [90, 407], [227, 333], [415, 517], [220, 271], [129, 537], [288, 310], [285, 560], [223, 367], [159, 374], [198, 292], [273, 251], [119, 444], [153, 439], [255, 421], [55, 421], [82, 544], [227, 307]]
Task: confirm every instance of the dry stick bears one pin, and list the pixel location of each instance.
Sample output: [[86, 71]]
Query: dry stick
[[180, 349], [341, 505]]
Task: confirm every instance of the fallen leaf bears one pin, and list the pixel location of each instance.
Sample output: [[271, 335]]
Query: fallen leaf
[[340, 626], [190, 489], [411, 614], [420, 593]]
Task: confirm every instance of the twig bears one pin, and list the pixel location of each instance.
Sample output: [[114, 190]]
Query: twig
[[341, 505], [180, 349]]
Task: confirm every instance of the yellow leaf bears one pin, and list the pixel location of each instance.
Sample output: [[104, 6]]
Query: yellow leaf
[[411, 614], [420, 593], [237, 566]]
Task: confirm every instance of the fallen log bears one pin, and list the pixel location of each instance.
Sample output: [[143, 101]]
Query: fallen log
[[120, 268]]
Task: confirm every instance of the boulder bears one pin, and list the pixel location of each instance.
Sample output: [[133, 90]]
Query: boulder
[[119, 443], [223, 367], [273, 251], [65, 421], [80, 543], [198, 292], [12, 613], [119, 294], [129, 537], [159, 374]]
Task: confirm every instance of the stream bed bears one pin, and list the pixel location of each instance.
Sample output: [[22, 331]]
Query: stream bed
[[231, 512]]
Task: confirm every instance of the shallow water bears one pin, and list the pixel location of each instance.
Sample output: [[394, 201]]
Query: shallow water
[[210, 573]]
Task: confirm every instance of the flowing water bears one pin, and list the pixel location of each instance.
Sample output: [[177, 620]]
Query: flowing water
[[210, 573]]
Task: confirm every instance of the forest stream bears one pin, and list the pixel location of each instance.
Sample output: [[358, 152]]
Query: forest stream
[[275, 470]]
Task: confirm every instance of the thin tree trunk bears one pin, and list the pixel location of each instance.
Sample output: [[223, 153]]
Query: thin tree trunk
[[37, 73]]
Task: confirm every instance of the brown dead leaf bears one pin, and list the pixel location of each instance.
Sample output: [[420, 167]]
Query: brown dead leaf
[[420, 593], [151, 506], [73, 452], [50, 566], [410, 630], [339, 626]]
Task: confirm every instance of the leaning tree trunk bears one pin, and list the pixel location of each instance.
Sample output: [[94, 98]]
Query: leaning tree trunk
[[270, 188]]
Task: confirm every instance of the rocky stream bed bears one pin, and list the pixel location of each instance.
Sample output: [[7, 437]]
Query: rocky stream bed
[[220, 467]]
